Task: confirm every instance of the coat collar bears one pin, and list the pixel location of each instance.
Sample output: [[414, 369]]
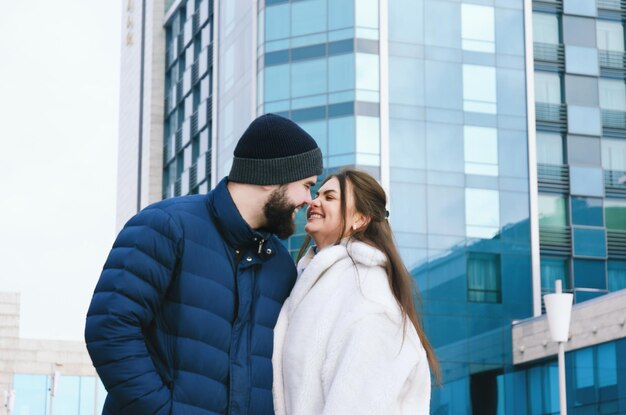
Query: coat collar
[[233, 228], [313, 265]]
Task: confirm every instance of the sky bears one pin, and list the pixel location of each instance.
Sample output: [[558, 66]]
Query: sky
[[59, 98]]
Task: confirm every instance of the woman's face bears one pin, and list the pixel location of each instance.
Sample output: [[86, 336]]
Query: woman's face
[[324, 214]]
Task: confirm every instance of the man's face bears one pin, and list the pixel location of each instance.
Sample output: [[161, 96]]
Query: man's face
[[283, 204]]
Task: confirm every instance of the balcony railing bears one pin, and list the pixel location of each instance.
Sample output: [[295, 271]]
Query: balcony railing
[[616, 243], [548, 52], [615, 183], [555, 113], [611, 4], [614, 119], [555, 240], [612, 59], [553, 177]]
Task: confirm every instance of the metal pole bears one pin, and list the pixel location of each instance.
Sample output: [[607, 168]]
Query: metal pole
[[562, 392]]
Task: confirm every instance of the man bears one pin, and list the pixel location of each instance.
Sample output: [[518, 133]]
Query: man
[[182, 317]]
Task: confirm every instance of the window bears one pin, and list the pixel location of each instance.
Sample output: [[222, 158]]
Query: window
[[613, 155], [547, 88], [553, 269], [546, 28], [481, 150], [477, 28], [615, 214], [483, 278], [307, 78], [589, 242], [586, 181], [613, 95], [587, 211], [589, 273], [307, 17], [368, 140], [479, 89], [482, 213], [616, 275], [552, 211], [550, 148], [610, 35]]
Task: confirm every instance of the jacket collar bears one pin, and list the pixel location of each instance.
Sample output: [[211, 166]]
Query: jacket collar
[[233, 228]]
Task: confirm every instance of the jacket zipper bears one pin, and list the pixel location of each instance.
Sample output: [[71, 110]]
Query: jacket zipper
[[236, 291]]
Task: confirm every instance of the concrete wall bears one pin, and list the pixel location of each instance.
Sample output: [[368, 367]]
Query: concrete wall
[[34, 356], [595, 321]]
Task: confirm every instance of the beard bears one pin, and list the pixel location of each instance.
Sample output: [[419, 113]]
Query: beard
[[278, 212]]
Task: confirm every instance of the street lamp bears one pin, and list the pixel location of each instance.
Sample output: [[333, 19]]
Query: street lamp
[[559, 311]]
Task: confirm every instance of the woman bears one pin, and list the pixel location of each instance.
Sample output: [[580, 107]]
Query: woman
[[348, 340]]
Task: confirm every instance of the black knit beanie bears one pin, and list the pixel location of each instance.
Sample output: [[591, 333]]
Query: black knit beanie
[[275, 150]]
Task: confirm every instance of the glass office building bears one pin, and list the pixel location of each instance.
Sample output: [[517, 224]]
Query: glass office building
[[498, 129]]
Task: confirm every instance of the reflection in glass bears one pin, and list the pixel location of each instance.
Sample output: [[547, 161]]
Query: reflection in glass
[[586, 181], [552, 210], [307, 78], [615, 214], [366, 13], [482, 213], [341, 135], [477, 28], [341, 72], [340, 14], [307, 17], [589, 273], [610, 35], [546, 28], [547, 88], [367, 71], [612, 95], [553, 269], [613, 154], [550, 148], [276, 83], [483, 278], [481, 150], [616, 275], [479, 88]]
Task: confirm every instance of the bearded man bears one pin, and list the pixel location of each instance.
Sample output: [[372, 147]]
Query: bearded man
[[182, 317]]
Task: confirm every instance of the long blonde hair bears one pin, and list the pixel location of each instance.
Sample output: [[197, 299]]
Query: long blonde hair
[[370, 200]]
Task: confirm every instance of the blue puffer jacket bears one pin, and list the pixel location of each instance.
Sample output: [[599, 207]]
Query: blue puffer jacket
[[174, 326]]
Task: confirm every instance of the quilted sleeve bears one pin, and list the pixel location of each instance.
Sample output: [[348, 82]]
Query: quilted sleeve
[[129, 293]]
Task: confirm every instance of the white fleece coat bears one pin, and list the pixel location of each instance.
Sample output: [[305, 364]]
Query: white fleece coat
[[339, 345]]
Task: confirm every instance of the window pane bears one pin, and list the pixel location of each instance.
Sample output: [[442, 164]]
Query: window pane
[[552, 211], [483, 278], [587, 211], [584, 368], [276, 83], [607, 365], [406, 86], [407, 144], [341, 72], [553, 269], [615, 214], [612, 95], [610, 35], [367, 71], [307, 17], [586, 181], [589, 273], [481, 150], [479, 88], [616, 275], [340, 14], [368, 135], [366, 13], [613, 154], [477, 24], [547, 88], [589, 242], [341, 135], [277, 22], [482, 213], [31, 393], [308, 78], [546, 28], [549, 148]]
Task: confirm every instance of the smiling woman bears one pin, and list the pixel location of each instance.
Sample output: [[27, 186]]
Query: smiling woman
[[349, 335]]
